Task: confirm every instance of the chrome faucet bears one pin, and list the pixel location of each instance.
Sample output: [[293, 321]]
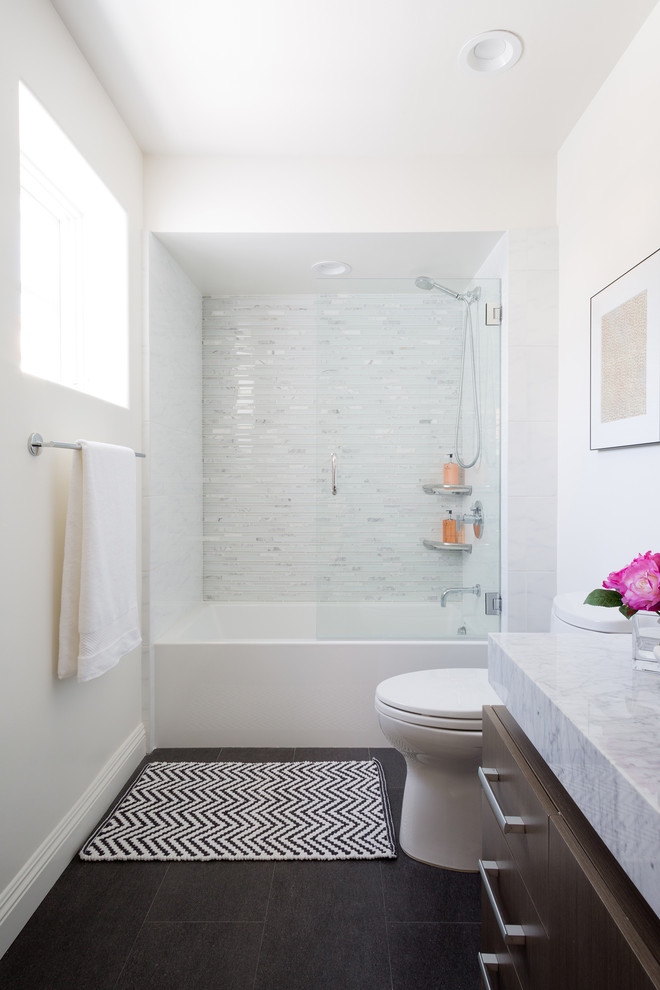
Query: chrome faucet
[[455, 591]]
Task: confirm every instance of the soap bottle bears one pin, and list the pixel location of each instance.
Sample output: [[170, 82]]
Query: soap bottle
[[451, 474], [449, 529]]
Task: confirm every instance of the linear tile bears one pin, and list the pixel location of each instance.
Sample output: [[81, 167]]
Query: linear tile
[[289, 379], [195, 956], [185, 755], [340, 892], [303, 956], [251, 754], [432, 956], [415, 892], [263, 926], [233, 891], [315, 753], [82, 932]]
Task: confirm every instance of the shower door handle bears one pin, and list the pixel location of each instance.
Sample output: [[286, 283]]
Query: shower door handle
[[334, 474]]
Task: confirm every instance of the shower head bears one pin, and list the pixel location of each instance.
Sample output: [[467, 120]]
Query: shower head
[[423, 282]]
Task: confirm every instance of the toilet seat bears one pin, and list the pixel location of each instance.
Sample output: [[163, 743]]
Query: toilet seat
[[450, 698], [431, 721]]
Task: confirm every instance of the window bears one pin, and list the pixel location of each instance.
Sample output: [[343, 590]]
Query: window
[[74, 264]]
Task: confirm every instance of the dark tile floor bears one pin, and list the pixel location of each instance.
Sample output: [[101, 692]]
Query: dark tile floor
[[343, 925]]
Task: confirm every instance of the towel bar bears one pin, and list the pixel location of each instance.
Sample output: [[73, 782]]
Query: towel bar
[[36, 442]]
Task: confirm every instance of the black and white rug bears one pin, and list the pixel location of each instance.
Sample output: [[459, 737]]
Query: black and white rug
[[212, 811]]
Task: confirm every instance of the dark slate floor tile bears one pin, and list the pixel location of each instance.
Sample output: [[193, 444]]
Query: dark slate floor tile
[[314, 753], [434, 957], [192, 957], [341, 892], [213, 892], [395, 796], [154, 926], [267, 754], [83, 930], [415, 892], [185, 755], [393, 764], [306, 956]]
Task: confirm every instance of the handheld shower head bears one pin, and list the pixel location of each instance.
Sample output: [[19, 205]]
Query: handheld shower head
[[472, 295], [423, 282]]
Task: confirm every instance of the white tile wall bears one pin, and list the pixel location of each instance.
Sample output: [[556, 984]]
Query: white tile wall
[[265, 522], [289, 380], [531, 504]]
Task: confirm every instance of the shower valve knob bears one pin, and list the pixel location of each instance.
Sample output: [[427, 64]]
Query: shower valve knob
[[475, 518]]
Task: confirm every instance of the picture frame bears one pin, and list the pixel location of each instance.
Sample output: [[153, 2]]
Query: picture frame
[[625, 359]]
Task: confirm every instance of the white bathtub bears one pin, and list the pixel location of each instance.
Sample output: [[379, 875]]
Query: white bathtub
[[256, 675]]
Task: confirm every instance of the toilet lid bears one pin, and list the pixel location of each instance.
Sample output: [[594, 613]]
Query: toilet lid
[[452, 693], [570, 608]]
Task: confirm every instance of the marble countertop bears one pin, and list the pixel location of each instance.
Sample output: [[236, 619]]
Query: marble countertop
[[596, 722]]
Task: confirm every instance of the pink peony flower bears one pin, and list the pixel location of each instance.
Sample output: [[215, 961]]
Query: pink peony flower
[[638, 583]]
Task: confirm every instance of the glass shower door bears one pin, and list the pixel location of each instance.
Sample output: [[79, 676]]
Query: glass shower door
[[389, 361]]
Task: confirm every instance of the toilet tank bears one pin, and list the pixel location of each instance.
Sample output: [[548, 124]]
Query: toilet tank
[[571, 615]]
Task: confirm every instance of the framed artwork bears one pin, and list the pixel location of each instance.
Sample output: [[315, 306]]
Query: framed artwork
[[625, 359]]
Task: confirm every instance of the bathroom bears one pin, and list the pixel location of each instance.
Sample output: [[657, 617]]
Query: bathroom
[[572, 214], [320, 419]]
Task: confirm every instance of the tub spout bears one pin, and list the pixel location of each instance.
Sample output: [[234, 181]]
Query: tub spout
[[459, 591]]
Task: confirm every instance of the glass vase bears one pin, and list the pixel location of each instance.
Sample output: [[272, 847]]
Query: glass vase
[[646, 641]]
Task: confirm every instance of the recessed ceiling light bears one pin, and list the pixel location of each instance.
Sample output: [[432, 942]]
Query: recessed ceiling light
[[491, 51], [331, 268]]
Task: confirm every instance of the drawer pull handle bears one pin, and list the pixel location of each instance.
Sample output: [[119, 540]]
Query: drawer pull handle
[[487, 960], [508, 823], [511, 934]]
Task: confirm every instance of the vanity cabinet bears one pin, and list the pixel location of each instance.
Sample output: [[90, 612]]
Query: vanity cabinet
[[557, 909]]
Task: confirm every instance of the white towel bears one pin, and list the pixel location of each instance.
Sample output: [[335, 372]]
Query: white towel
[[99, 616]]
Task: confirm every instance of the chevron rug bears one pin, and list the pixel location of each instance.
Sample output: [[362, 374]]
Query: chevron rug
[[212, 811]]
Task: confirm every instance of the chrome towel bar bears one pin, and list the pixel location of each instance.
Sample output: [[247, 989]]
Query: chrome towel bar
[[36, 442]]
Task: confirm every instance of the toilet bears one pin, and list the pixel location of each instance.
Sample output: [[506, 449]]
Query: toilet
[[434, 719], [571, 615]]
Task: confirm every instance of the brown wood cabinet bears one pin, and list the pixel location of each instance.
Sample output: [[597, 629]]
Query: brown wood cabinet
[[557, 909]]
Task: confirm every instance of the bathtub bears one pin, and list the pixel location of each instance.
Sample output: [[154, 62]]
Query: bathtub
[[257, 675]]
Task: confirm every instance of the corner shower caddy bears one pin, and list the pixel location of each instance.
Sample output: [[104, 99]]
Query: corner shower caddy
[[448, 489], [476, 518]]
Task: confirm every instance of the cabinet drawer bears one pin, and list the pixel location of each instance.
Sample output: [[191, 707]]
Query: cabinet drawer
[[497, 971], [603, 937], [496, 959], [514, 905], [519, 794]]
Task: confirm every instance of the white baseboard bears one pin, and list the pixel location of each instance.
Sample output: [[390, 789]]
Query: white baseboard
[[20, 899]]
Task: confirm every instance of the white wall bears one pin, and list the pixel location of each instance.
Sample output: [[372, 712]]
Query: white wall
[[530, 504], [527, 262], [289, 195], [609, 220], [65, 748]]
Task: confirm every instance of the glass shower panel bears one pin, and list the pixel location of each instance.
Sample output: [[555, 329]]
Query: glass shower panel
[[389, 360]]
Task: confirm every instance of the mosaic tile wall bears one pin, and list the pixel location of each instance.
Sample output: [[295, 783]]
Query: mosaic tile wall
[[287, 381]]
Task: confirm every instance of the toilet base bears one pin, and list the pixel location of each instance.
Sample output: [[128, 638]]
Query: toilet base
[[441, 814]]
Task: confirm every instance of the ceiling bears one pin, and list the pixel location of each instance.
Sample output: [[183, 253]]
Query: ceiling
[[265, 263], [352, 77]]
